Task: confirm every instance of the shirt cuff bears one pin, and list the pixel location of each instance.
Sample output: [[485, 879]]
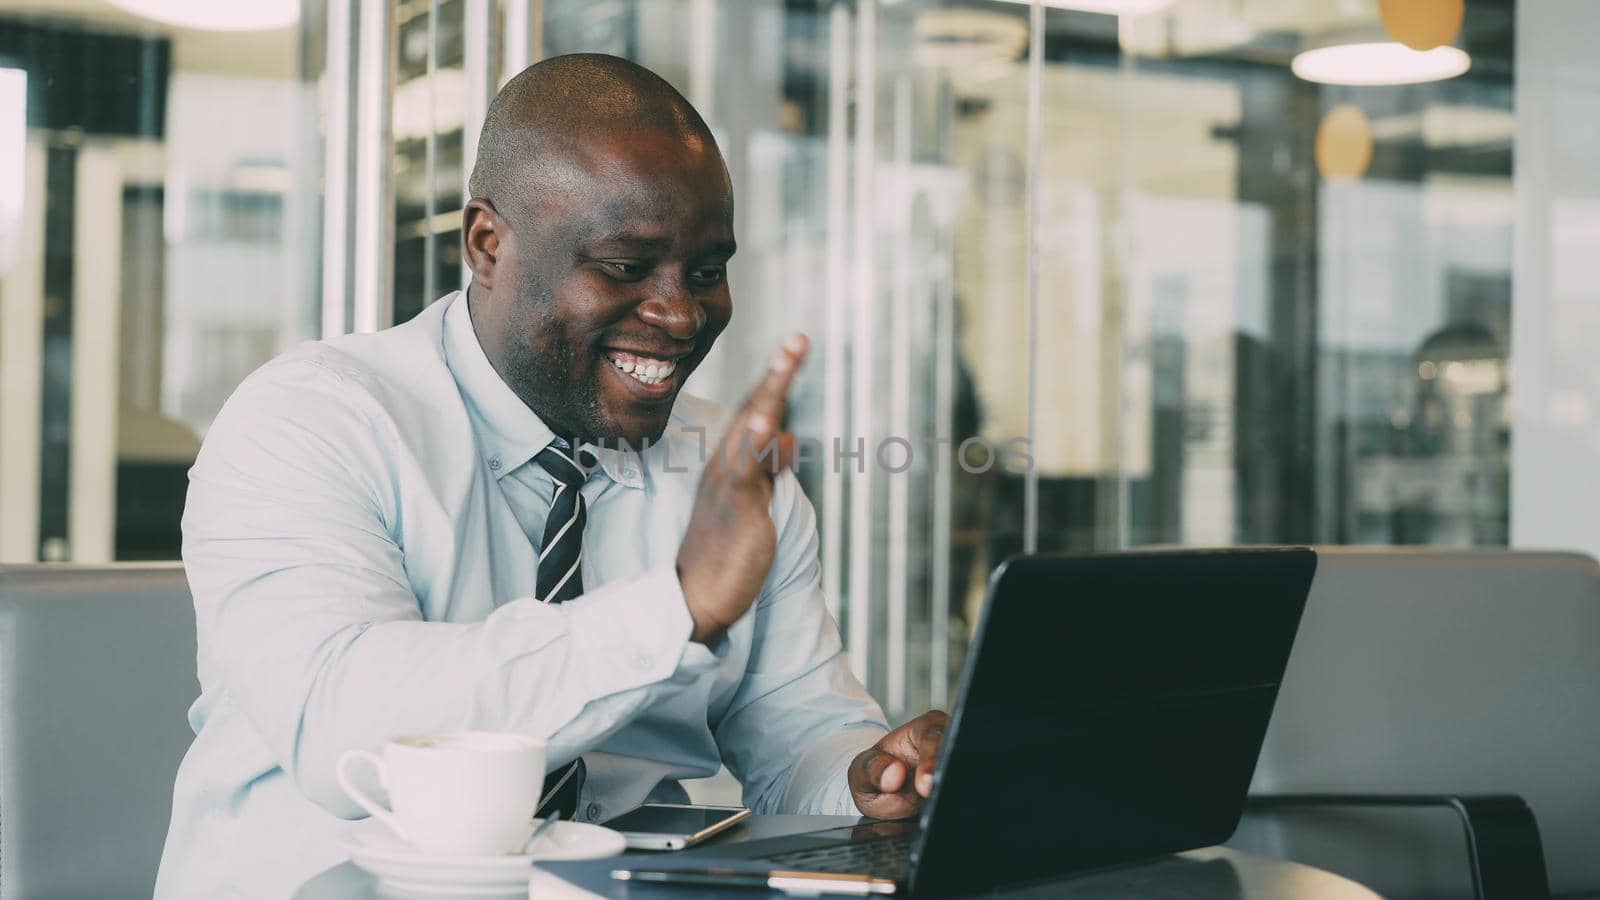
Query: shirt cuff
[[820, 784], [641, 626]]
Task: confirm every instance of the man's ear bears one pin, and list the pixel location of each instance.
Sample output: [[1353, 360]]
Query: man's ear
[[486, 240]]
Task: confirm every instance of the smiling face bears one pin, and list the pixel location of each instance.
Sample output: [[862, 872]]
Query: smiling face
[[599, 299]]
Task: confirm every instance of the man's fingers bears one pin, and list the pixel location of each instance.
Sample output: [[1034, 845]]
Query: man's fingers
[[882, 779], [880, 773], [928, 736], [762, 413], [756, 442], [885, 774], [893, 778], [928, 756], [777, 454]]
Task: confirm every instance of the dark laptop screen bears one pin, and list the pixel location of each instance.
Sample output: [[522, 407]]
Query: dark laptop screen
[[1113, 709]]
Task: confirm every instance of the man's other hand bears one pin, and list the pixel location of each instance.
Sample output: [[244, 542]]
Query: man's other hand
[[890, 779], [730, 542]]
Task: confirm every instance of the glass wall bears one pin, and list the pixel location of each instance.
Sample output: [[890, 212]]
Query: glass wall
[[1161, 288], [158, 241], [1083, 274]]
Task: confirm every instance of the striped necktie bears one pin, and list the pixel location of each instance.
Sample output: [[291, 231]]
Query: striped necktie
[[559, 580]]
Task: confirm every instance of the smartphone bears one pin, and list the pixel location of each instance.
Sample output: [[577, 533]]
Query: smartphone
[[674, 826]]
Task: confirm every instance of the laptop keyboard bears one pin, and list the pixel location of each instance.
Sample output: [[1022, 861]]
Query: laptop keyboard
[[881, 859]]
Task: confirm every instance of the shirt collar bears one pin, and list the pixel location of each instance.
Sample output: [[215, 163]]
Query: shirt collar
[[509, 433]]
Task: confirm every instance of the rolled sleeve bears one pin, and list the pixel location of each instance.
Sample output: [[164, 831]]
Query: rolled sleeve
[[637, 633], [820, 784]]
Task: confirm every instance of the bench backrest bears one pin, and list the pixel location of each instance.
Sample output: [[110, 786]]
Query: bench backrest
[[97, 671], [1443, 671]]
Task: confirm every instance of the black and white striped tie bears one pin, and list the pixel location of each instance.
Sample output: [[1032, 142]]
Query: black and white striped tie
[[559, 580]]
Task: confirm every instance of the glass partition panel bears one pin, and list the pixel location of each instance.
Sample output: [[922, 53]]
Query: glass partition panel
[[158, 241], [429, 118], [1254, 282], [1555, 316]]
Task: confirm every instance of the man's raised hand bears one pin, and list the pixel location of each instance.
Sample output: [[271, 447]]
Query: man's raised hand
[[729, 545]]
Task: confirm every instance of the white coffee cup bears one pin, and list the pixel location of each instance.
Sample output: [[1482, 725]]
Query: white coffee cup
[[464, 792]]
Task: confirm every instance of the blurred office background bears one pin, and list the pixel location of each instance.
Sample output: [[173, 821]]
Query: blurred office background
[[1224, 296]]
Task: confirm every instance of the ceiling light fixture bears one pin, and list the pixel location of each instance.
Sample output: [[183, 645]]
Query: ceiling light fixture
[[217, 15], [1379, 62], [1344, 144], [1423, 24], [1108, 7]]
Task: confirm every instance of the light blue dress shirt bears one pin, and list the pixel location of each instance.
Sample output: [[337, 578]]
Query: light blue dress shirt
[[361, 537]]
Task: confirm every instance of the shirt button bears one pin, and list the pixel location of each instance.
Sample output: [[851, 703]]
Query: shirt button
[[629, 471], [643, 661], [593, 812], [494, 463]]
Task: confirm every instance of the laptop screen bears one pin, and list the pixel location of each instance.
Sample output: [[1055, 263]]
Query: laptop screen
[[1112, 709]]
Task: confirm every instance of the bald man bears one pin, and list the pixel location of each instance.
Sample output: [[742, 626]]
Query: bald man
[[504, 515]]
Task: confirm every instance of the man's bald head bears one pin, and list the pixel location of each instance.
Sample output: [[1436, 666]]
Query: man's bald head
[[598, 234], [545, 115]]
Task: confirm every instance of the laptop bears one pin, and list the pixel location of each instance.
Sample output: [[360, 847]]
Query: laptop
[[1111, 709]]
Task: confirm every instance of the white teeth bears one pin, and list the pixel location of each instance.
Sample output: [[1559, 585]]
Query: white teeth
[[648, 372]]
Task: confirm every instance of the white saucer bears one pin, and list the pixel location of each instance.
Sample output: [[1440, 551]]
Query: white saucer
[[399, 866]]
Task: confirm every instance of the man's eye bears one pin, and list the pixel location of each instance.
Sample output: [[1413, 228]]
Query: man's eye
[[625, 269], [709, 274]]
